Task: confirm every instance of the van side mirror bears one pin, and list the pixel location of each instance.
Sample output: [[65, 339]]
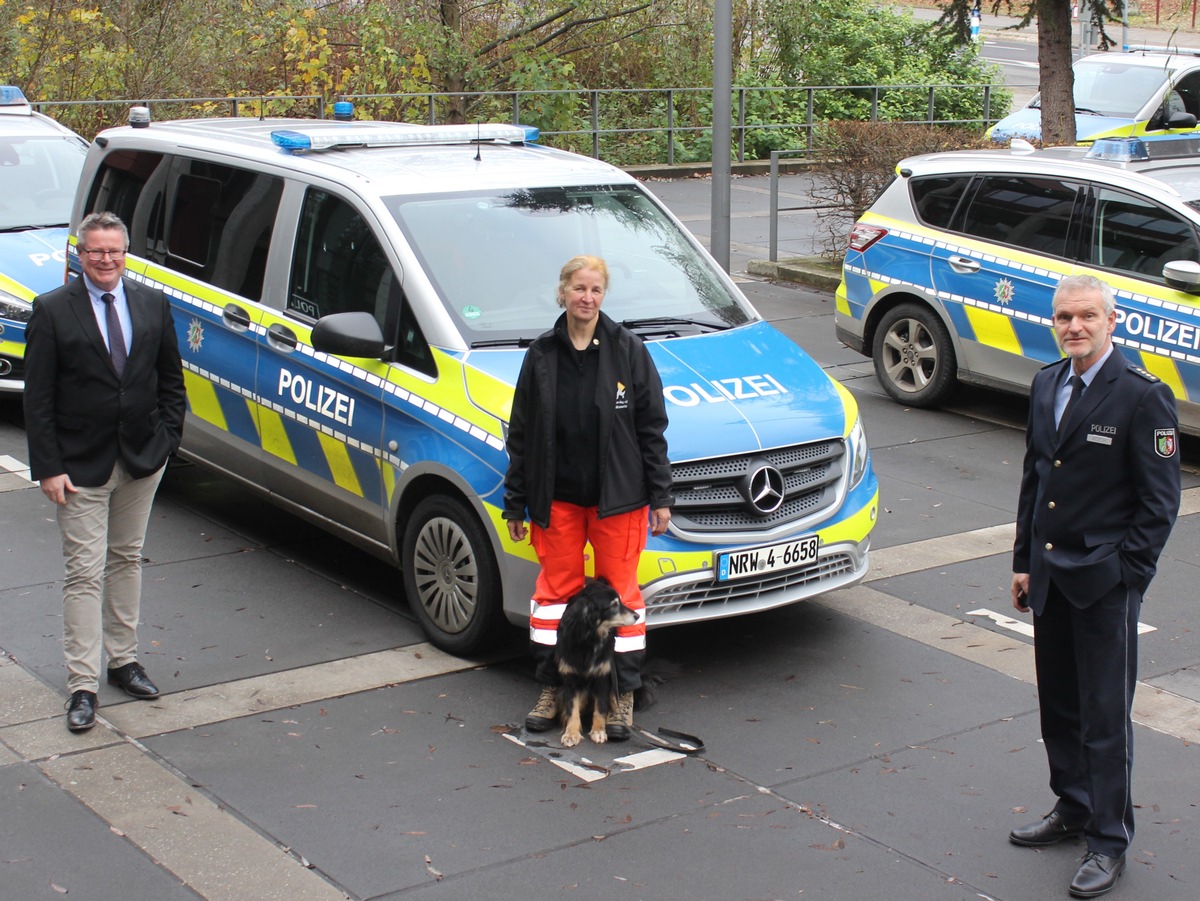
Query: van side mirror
[[1181, 120], [1183, 275], [349, 335]]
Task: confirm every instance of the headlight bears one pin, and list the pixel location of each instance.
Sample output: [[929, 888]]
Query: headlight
[[859, 453], [12, 307]]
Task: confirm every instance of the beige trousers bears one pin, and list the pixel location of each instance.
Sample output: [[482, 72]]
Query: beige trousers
[[103, 530]]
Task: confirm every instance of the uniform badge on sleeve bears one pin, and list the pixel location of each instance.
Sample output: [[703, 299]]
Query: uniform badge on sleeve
[[1164, 442]]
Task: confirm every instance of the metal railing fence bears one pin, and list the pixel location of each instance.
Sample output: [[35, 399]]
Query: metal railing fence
[[625, 126]]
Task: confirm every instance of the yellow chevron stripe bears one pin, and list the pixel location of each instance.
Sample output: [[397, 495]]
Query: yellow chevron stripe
[[1166, 369], [338, 458], [202, 396], [389, 480], [272, 435], [993, 329]]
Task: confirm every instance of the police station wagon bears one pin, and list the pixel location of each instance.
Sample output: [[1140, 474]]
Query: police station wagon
[[949, 275], [40, 162], [354, 300]]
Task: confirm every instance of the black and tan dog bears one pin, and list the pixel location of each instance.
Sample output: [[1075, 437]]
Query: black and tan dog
[[587, 635]]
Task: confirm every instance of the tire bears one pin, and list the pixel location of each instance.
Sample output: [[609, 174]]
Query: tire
[[451, 577], [913, 356]]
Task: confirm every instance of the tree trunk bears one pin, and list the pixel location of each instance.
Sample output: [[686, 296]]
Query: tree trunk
[[453, 80], [1055, 76]]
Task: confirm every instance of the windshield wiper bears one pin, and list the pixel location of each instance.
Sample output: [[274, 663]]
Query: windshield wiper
[[502, 342], [1087, 112], [671, 325]]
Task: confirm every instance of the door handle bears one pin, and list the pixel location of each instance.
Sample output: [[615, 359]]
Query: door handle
[[281, 337], [963, 265], [236, 318]]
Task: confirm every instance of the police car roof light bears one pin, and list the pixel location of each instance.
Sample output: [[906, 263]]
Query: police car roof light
[[330, 139], [1118, 150], [11, 95]]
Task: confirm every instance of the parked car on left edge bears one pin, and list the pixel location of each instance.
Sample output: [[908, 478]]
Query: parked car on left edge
[[40, 162]]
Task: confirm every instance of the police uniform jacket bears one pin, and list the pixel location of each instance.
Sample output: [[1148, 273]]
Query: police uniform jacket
[[634, 470], [79, 414], [1097, 504]]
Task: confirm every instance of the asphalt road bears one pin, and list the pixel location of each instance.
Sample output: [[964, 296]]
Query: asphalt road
[[876, 743]]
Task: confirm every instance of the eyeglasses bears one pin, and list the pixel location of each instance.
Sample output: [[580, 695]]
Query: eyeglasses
[[97, 255]]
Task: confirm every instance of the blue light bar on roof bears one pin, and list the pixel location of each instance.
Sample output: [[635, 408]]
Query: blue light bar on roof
[[10, 95], [1118, 150], [297, 141]]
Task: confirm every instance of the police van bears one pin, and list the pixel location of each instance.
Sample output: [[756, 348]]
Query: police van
[[949, 275], [354, 299], [40, 162]]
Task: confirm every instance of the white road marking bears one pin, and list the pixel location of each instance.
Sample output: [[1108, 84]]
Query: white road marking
[[15, 467], [1005, 622], [1016, 625]]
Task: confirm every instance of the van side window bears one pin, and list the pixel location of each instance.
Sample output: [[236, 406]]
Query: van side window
[[338, 266], [219, 224], [206, 221], [1134, 235], [936, 199], [1024, 211], [131, 183]]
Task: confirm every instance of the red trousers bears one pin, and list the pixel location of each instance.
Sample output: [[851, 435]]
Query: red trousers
[[617, 544]]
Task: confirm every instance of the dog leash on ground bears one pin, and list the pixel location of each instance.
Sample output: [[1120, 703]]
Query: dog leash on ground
[[668, 739]]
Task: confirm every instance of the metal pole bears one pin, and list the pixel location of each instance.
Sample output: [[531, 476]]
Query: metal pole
[[722, 107]]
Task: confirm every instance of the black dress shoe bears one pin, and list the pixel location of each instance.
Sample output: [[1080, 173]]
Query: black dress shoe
[[132, 679], [1097, 875], [81, 711], [1049, 830]]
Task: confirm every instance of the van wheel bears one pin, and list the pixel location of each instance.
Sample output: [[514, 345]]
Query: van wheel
[[914, 359], [451, 577]]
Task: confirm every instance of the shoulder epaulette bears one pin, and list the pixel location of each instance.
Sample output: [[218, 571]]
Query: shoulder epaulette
[[1150, 377]]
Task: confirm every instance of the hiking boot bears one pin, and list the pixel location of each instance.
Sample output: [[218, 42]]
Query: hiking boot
[[544, 714], [620, 718]]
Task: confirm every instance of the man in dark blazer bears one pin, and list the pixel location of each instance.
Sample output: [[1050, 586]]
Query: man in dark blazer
[[1099, 494], [104, 408]]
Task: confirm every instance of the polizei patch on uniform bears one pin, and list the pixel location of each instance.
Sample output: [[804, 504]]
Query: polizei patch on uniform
[[1164, 442]]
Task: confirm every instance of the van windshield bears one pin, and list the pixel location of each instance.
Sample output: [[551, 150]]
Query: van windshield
[[494, 259], [1114, 88], [37, 180]]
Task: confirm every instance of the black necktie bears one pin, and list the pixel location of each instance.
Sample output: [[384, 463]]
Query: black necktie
[[1076, 390], [116, 337]]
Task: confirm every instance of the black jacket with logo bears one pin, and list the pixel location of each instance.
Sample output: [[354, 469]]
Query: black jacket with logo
[[632, 416]]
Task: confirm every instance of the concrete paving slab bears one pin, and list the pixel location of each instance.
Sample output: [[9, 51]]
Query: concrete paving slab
[[751, 846], [958, 589], [216, 618], [222, 859], [955, 800], [366, 786], [55, 847], [824, 686]]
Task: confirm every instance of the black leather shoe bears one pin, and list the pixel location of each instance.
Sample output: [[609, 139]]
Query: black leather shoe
[[1097, 875], [1050, 830], [132, 679], [81, 711]]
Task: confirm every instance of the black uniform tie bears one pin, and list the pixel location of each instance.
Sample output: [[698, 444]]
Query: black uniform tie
[[116, 337], [1076, 390]]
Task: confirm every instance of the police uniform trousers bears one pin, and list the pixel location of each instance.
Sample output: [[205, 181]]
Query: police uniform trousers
[[617, 543], [1086, 672], [103, 530]]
